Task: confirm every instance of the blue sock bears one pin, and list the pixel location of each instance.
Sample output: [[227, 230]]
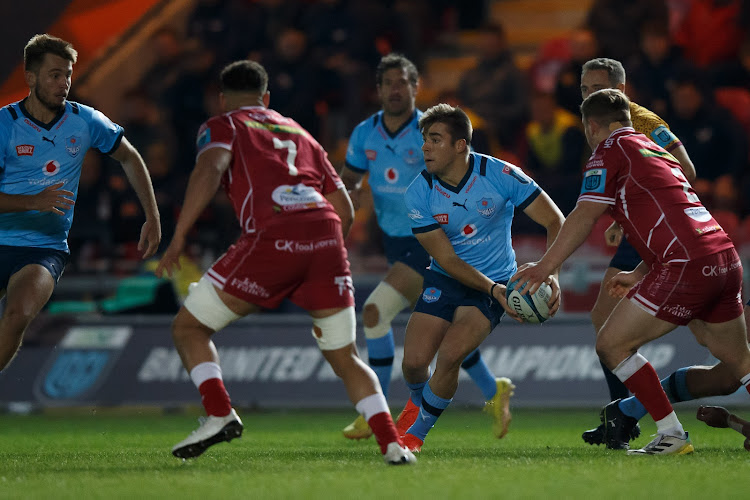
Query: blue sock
[[481, 375], [416, 390], [674, 386], [432, 407], [380, 353]]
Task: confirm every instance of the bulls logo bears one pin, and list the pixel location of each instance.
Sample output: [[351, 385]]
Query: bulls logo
[[52, 167], [73, 145], [486, 207], [431, 295]]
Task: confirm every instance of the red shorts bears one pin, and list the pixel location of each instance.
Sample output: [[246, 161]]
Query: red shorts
[[709, 289], [305, 263]]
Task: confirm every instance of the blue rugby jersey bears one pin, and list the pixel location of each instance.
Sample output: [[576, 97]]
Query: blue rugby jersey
[[34, 155], [393, 161], [476, 215]]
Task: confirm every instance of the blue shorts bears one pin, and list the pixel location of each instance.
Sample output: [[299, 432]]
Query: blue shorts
[[442, 295], [12, 259], [626, 258], [408, 250]]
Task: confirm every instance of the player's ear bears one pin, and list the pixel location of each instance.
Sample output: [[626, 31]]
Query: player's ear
[[223, 102], [30, 78], [461, 146], [266, 98]]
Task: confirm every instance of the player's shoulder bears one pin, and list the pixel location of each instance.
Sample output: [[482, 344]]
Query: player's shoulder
[[9, 114], [368, 124], [82, 110], [644, 120]]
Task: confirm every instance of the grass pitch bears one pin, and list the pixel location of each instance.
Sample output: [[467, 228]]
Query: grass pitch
[[303, 455]]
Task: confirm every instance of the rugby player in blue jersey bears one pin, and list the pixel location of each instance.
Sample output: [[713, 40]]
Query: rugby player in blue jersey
[[387, 146], [43, 140], [461, 209]]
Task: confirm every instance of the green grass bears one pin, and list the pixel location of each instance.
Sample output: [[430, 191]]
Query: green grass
[[302, 455]]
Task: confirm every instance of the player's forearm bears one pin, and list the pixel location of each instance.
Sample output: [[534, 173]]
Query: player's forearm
[[15, 202], [572, 234], [139, 178], [201, 188], [466, 273], [687, 165]]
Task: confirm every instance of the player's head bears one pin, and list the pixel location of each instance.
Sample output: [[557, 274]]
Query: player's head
[[602, 112], [396, 78], [447, 137], [602, 73], [48, 67], [243, 83]]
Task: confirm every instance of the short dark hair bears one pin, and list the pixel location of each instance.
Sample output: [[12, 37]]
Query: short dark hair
[[457, 122], [399, 61], [613, 67], [39, 45], [244, 76], [606, 106]]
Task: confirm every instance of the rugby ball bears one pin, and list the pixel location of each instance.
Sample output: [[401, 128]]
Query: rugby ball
[[532, 308]]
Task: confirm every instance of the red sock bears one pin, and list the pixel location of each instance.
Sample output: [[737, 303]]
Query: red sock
[[645, 385], [215, 398], [384, 430]]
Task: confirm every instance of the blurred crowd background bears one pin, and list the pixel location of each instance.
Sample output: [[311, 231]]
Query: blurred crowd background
[[687, 60]]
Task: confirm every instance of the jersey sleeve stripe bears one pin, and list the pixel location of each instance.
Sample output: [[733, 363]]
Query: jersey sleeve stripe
[[425, 229], [483, 166], [116, 144], [356, 169], [212, 145], [596, 199], [528, 201], [673, 146], [427, 177], [12, 111]]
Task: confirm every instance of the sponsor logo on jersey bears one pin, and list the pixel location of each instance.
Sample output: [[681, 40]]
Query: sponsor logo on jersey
[[292, 246], [300, 196], [415, 214], [24, 150], [699, 214], [469, 230], [73, 145], [371, 154], [30, 124], [441, 218], [441, 191], [390, 175], [662, 136], [52, 167], [471, 184], [517, 174], [486, 207], [250, 287], [710, 271], [204, 138], [345, 285], [708, 229], [679, 311], [595, 180], [431, 295]]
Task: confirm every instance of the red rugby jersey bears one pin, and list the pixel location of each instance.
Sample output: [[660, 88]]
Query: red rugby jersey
[[279, 173], [650, 198]]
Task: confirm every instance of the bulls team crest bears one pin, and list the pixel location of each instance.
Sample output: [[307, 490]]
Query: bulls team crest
[[486, 207], [73, 145], [81, 362], [431, 294]]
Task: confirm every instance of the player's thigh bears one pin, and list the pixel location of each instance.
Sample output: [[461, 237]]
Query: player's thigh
[[605, 303], [237, 305], [628, 328], [29, 289], [467, 331], [405, 280], [424, 333], [727, 341]]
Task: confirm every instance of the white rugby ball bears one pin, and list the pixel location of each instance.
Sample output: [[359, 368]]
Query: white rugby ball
[[532, 308]]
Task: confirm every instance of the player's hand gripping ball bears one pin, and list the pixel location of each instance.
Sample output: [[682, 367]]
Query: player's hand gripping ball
[[532, 308]]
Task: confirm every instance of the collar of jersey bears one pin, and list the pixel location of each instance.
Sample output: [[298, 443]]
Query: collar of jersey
[[457, 189], [400, 129], [45, 126]]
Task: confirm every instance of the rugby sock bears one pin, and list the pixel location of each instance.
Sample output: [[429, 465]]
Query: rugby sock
[[380, 357], [617, 389], [480, 373], [432, 407], [416, 389], [214, 396], [674, 386], [641, 379], [375, 411], [746, 381]]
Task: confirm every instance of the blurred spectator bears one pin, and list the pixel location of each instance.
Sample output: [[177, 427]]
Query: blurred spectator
[[167, 47], [142, 120], [736, 72], [617, 24], [496, 89], [583, 47], [712, 31], [294, 80], [482, 139], [168, 186], [716, 142], [650, 72], [556, 146]]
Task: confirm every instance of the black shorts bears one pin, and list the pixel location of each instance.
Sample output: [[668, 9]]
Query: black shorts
[[407, 250], [13, 259], [442, 295], [625, 258]]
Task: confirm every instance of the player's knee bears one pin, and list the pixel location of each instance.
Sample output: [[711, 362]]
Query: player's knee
[[413, 364], [383, 304], [207, 307], [17, 319], [335, 331]]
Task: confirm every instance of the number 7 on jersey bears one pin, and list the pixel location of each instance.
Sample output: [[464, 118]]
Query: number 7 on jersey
[[291, 148]]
